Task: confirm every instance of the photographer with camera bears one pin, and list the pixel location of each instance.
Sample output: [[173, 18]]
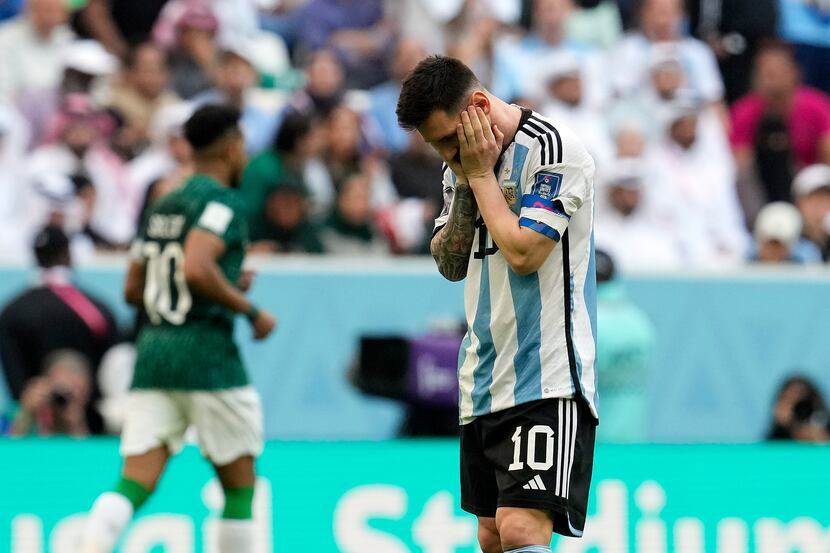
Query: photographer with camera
[[56, 403], [51, 316], [800, 413]]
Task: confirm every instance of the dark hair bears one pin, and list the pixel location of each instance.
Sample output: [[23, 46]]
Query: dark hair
[[811, 390], [775, 46], [436, 83], [80, 182], [810, 403], [295, 125], [228, 54], [604, 266], [131, 58], [51, 247], [210, 123], [290, 183], [147, 200], [640, 5]]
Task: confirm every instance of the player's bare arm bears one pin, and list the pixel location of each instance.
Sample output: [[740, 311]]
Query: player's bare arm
[[134, 284], [246, 279], [481, 144], [452, 244], [204, 276]]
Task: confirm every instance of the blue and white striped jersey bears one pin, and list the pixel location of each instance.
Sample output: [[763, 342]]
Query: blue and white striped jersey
[[532, 337]]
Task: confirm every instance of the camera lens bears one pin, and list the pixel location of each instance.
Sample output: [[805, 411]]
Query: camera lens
[[803, 410], [60, 398]]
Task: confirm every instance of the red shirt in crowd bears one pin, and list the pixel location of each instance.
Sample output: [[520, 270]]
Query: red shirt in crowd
[[808, 122]]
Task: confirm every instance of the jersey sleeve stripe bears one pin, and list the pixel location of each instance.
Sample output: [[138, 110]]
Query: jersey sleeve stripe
[[558, 146], [547, 151], [542, 143], [541, 138], [536, 125], [555, 132], [550, 149], [533, 124]]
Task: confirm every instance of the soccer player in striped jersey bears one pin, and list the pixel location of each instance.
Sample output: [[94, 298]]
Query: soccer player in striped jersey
[[186, 273], [518, 224]]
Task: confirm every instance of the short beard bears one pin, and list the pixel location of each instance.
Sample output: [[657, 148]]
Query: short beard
[[235, 179]]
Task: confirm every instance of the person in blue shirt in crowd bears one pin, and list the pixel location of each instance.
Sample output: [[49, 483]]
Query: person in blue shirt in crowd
[[806, 23], [384, 97], [10, 9]]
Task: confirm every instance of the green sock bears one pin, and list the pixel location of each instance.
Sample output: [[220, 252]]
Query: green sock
[[133, 491], [239, 503]]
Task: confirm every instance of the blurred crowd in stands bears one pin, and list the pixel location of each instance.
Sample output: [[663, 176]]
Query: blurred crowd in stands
[[709, 121]]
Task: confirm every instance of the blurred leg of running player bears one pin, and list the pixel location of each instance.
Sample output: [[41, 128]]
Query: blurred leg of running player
[[236, 525], [113, 510]]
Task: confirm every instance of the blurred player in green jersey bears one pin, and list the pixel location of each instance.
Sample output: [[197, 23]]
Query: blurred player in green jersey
[[186, 272]]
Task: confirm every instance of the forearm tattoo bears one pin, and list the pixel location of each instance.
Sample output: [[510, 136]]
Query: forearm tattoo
[[452, 244]]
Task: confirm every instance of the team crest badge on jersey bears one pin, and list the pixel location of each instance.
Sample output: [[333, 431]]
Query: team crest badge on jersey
[[547, 184], [509, 189]]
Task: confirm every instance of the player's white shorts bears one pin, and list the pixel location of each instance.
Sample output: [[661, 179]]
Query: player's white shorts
[[227, 423]]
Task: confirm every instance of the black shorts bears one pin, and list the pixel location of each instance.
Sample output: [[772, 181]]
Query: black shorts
[[537, 455]]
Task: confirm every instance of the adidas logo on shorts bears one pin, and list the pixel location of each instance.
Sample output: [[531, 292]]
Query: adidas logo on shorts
[[535, 483]]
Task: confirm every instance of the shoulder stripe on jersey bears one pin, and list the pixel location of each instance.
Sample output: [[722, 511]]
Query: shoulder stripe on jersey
[[546, 150], [566, 275], [542, 134], [542, 143], [555, 132], [550, 139]]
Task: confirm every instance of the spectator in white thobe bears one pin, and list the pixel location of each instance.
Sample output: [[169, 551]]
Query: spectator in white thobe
[[32, 45], [628, 222], [696, 177]]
